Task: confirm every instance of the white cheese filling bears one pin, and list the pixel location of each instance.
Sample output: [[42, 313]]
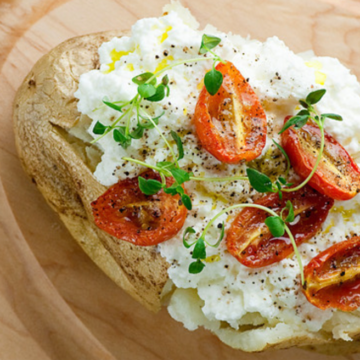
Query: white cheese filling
[[225, 292]]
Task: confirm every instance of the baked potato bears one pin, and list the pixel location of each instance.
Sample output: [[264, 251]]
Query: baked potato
[[62, 166], [44, 111]]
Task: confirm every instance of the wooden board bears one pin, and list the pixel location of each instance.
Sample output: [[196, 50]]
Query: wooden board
[[54, 302]]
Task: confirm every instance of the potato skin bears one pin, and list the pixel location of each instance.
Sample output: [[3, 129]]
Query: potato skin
[[44, 109]]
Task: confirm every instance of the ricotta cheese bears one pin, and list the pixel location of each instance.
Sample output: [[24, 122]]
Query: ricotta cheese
[[226, 296]]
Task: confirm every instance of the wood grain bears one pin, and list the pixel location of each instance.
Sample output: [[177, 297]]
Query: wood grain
[[54, 302]]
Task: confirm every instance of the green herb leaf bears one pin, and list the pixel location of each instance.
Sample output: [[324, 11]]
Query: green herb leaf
[[172, 190], [315, 96], [147, 124], [299, 121], [278, 185], [186, 201], [99, 128], [199, 251], [137, 133], [286, 157], [112, 105], [149, 187], [167, 90], [303, 103], [180, 175], [188, 230], [146, 90], [291, 216], [282, 180], [276, 225], [165, 165], [143, 78], [259, 181], [179, 189], [333, 117], [222, 234], [119, 136], [196, 267], [303, 112], [159, 94], [208, 42], [213, 80], [179, 144], [165, 80]]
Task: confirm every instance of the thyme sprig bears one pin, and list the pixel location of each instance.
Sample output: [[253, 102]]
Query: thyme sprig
[[150, 90], [168, 169], [276, 224], [261, 182]]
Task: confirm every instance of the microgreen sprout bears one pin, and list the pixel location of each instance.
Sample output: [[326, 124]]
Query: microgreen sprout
[[167, 169], [301, 118], [286, 157], [276, 224], [150, 90], [261, 182], [213, 78], [172, 169]]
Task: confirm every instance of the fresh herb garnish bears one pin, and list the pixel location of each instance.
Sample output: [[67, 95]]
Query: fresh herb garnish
[[301, 118], [208, 42], [287, 160], [276, 224], [213, 81], [263, 184], [150, 186], [150, 90], [213, 78], [172, 169]]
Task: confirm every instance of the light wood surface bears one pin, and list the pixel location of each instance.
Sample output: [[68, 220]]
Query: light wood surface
[[54, 302]]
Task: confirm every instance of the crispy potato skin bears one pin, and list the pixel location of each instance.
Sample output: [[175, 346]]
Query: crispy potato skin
[[44, 107]]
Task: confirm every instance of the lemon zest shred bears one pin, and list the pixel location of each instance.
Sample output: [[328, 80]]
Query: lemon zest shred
[[130, 67], [213, 258], [314, 64], [200, 85], [320, 77], [165, 35], [327, 230], [116, 56], [164, 63], [346, 214]]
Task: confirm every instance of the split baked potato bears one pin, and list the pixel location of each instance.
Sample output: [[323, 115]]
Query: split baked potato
[[62, 166]]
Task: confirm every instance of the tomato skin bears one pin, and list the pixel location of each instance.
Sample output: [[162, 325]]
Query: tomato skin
[[341, 185], [339, 266], [125, 212], [223, 135], [249, 240]]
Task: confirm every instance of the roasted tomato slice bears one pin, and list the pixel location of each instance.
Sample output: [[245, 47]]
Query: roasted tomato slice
[[332, 279], [337, 175], [125, 212], [250, 241], [231, 125]]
